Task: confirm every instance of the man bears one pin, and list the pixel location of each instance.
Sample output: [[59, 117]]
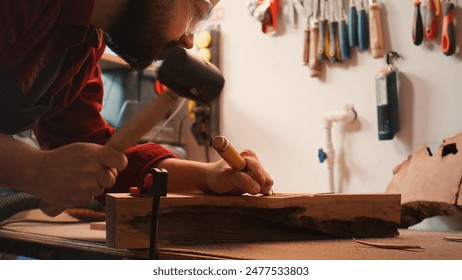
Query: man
[[50, 81]]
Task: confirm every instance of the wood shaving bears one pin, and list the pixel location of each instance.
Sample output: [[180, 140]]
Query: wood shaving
[[389, 246], [86, 214]]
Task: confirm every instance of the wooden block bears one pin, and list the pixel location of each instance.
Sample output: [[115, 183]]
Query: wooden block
[[209, 219], [430, 184]]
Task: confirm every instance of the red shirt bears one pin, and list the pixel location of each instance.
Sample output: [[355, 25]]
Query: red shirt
[[34, 32]]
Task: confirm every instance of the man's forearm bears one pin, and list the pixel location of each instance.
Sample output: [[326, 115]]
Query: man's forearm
[[18, 164], [186, 176]]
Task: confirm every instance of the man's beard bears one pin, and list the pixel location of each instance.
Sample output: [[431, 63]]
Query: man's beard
[[138, 37]]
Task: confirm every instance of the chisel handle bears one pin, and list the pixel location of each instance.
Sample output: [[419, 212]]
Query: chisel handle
[[448, 37], [333, 35], [322, 38], [306, 46], [363, 30], [345, 51], [314, 63], [417, 24], [375, 30], [431, 25], [353, 25]]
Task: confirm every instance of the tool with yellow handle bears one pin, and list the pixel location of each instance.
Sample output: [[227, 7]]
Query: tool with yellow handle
[[375, 29], [448, 36], [229, 153]]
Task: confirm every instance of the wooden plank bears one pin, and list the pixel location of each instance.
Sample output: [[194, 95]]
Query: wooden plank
[[209, 219], [430, 184]]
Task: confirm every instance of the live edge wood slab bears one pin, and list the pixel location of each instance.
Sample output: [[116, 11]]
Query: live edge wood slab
[[195, 219]]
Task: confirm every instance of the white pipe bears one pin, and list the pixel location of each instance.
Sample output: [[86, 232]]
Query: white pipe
[[347, 115]]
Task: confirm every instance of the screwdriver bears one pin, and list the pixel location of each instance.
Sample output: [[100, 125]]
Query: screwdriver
[[448, 37], [353, 24], [376, 32], [431, 25], [344, 43], [363, 28], [417, 24]]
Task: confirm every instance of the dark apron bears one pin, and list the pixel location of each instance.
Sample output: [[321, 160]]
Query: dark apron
[[20, 112]]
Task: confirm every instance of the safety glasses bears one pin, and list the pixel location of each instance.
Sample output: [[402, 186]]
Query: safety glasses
[[201, 11]]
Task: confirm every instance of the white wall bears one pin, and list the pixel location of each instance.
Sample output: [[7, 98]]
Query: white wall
[[270, 103]]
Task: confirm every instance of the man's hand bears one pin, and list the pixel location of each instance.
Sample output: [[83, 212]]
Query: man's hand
[[74, 174], [255, 180]]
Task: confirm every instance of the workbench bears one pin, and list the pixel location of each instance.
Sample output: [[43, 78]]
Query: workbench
[[77, 241]]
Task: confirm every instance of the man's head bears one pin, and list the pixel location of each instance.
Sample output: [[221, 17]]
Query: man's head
[[143, 29]]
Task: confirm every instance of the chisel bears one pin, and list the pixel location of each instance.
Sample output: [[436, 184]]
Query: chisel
[[376, 32], [309, 14], [431, 25], [417, 24], [353, 24], [323, 33], [314, 63], [333, 34], [448, 37], [363, 28]]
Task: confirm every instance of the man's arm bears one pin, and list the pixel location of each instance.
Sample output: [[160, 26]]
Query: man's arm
[[67, 176], [217, 177], [18, 163]]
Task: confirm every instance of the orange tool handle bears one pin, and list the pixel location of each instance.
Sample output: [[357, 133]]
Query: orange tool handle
[[448, 38], [431, 25], [417, 24]]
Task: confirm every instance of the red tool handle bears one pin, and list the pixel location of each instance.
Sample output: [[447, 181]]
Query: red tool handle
[[417, 24], [431, 25], [448, 38]]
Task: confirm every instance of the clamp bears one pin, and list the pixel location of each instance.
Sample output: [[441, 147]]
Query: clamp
[[154, 184]]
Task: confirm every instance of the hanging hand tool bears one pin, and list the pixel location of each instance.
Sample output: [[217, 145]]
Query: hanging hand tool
[[314, 62], [417, 24], [448, 37], [387, 99], [363, 28], [308, 6], [353, 24], [289, 13], [333, 33], [344, 44], [375, 28], [437, 8], [431, 25], [323, 32]]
